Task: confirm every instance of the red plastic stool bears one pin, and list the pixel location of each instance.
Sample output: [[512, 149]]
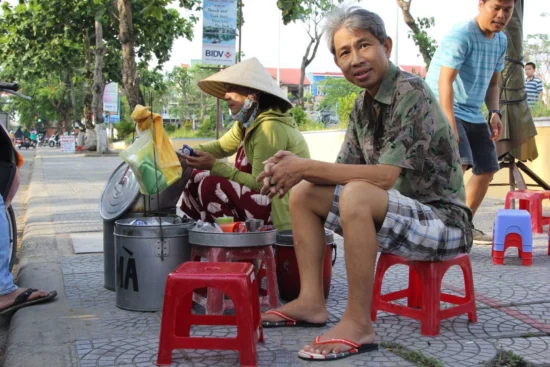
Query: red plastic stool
[[513, 240], [532, 202], [214, 301], [238, 281], [424, 292]]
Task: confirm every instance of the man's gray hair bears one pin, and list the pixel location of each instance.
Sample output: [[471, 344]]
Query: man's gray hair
[[353, 18]]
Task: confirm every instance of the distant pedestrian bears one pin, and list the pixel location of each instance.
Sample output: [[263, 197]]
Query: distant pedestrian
[[533, 85]]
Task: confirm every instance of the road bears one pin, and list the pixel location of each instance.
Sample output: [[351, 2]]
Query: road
[[20, 207]]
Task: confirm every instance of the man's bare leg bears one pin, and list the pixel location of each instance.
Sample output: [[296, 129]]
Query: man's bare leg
[[476, 188], [362, 207], [309, 206]]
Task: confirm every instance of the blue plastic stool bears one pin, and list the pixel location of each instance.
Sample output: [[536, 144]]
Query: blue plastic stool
[[513, 229]]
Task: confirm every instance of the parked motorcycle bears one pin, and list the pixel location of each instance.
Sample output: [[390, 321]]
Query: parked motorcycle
[[41, 140], [53, 141]]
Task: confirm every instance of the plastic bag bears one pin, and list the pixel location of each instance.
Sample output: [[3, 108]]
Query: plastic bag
[[167, 159], [140, 156], [152, 157]]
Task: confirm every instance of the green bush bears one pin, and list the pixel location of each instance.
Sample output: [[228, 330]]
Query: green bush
[[345, 105], [300, 115], [125, 128], [208, 128], [540, 110], [169, 128]]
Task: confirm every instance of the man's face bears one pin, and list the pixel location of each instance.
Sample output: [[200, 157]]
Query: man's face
[[494, 15], [529, 71], [363, 60]]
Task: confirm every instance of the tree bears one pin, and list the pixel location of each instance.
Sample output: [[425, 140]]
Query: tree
[[418, 32], [334, 89], [169, 26], [311, 12], [537, 50]]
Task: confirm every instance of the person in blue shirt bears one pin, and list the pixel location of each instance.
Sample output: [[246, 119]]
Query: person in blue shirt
[[464, 73]]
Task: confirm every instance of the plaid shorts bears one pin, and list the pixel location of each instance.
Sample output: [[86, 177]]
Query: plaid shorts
[[411, 230]]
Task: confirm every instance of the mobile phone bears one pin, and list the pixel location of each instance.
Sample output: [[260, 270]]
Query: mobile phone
[[187, 150]]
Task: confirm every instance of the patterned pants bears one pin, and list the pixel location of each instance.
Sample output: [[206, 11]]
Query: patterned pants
[[209, 197]]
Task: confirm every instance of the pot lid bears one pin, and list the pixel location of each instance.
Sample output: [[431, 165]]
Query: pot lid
[[119, 194]]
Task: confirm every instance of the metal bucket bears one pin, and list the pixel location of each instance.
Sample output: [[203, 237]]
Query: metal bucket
[[109, 249], [143, 261], [121, 199], [246, 239]]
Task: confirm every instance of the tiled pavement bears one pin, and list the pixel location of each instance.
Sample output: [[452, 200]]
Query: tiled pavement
[[513, 301]]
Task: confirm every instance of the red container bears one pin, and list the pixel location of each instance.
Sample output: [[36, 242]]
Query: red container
[[288, 276]]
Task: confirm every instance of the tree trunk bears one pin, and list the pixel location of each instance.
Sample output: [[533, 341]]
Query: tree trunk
[[97, 104], [409, 20], [306, 60], [130, 80]]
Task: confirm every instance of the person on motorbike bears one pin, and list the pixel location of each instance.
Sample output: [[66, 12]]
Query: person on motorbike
[[19, 133]]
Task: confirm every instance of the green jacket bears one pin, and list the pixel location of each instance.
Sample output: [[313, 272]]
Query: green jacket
[[270, 132]]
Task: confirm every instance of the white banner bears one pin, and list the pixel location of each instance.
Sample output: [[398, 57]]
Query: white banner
[[219, 32], [110, 99], [67, 143]]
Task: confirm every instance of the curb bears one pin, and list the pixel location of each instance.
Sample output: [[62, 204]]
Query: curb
[[41, 335]]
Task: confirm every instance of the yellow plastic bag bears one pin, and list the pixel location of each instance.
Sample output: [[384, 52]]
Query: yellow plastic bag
[[140, 156], [166, 159]]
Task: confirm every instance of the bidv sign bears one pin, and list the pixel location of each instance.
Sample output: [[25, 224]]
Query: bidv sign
[[218, 54]]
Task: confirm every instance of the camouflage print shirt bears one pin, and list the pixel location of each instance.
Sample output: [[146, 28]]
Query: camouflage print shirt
[[404, 126]]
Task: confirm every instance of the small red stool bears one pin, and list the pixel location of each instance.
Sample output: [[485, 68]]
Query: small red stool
[[238, 281], [514, 240], [532, 202], [424, 292], [214, 301]]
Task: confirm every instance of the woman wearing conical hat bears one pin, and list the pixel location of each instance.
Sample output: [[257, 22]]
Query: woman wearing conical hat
[[263, 126]]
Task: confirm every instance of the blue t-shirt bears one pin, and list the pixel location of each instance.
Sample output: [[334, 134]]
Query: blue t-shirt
[[476, 58]]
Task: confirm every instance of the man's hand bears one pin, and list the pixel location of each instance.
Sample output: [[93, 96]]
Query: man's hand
[[204, 161], [455, 132], [281, 172], [496, 126]]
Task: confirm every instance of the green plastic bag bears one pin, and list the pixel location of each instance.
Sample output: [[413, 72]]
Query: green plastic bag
[[140, 156]]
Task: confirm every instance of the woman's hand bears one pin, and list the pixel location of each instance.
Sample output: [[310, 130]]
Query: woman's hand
[[204, 161]]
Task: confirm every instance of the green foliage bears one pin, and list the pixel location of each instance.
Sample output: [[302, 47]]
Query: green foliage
[[540, 110], [309, 125], [426, 44], [299, 115], [345, 105], [208, 128], [415, 357], [169, 128], [293, 10], [125, 128], [334, 89], [505, 358]]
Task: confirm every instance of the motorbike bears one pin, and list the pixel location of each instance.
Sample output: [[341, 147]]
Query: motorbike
[[10, 161], [53, 141], [25, 143], [41, 141]]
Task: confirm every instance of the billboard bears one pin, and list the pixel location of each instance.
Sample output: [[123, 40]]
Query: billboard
[[111, 102], [219, 32]]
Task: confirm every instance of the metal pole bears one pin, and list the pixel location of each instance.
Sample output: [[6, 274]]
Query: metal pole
[[278, 49], [397, 36], [240, 28], [218, 118]]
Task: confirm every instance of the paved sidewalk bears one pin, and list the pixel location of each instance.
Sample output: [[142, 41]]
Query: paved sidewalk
[[83, 327]]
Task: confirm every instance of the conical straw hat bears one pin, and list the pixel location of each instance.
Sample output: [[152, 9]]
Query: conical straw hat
[[249, 73]]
